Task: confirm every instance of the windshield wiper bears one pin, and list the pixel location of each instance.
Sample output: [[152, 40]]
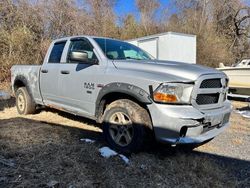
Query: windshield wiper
[[128, 58]]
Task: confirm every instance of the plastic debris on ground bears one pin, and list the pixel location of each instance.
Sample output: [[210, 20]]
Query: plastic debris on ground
[[107, 153], [124, 158], [87, 140]]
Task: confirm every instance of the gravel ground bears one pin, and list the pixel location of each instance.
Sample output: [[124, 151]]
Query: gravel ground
[[232, 147], [39, 144], [234, 142]]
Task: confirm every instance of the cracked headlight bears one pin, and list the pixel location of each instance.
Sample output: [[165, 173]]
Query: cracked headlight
[[173, 93]]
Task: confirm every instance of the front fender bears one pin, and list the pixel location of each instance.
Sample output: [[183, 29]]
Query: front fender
[[123, 88], [129, 89]]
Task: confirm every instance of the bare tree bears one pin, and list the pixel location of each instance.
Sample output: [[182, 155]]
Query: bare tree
[[241, 32], [27, 26], [129, 28], [102, 17], [147, 9], [242, 22]]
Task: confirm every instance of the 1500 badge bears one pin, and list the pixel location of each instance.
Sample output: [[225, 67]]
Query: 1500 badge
[[89, 86]]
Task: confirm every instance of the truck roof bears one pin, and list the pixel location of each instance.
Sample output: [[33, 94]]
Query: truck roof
[[85, 36]]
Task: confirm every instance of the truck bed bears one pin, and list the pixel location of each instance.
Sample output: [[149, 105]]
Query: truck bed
[[31, 75]]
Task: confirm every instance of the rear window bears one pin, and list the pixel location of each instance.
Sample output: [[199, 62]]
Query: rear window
[[56, 53]]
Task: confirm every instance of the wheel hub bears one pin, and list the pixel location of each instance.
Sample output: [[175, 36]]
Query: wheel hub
[[21, 102], [121, 129]]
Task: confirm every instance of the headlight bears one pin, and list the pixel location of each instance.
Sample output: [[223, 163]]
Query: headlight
[[173, 93]]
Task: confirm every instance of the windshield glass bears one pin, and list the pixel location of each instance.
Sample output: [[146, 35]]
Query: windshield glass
[[114, 49]]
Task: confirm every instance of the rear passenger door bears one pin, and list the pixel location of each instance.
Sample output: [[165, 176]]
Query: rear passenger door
[[49, 74]]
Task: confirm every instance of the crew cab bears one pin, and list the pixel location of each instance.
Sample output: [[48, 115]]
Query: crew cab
[[132, 95]]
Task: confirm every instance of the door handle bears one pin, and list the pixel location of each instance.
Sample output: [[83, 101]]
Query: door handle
[[65, 72], [44, 71]]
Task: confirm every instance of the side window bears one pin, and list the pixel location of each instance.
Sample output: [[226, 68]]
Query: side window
[[56, 52], [112, 54], [134, 54], [130, 53], [81, 45]]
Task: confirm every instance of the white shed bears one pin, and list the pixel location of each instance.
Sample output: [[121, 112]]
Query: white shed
[[169, 46]]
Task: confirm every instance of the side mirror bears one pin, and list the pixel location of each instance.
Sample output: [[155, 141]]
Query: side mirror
[[80, 56]]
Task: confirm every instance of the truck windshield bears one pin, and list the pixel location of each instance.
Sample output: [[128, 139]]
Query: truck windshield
[[117, 50]]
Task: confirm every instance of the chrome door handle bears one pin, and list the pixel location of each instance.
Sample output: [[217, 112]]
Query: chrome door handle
[[44, 71], [65, 72]]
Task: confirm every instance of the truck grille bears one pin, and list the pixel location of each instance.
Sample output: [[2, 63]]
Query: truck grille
[[211, 83], [210, 91], [207, 99]]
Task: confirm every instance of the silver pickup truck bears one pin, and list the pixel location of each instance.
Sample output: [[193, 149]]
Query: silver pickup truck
[[130, 94]]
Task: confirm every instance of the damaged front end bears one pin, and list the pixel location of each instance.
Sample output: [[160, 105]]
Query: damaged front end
[[185, 124], [185, 113]]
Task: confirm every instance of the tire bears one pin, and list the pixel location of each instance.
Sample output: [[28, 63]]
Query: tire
[[24, 102], [125, 126]]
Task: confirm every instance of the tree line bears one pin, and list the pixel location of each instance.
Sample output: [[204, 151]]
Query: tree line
[[28, 26]]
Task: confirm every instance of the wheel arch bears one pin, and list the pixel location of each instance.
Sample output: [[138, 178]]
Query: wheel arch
[[116, 91], [21, 81]]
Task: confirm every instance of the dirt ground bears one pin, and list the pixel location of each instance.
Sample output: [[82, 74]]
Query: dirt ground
[[44, 150]]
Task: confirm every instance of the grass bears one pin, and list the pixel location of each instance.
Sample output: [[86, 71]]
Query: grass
[[45, 147], [44, 152]]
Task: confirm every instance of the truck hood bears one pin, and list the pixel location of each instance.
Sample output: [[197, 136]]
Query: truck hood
[[172, 71]]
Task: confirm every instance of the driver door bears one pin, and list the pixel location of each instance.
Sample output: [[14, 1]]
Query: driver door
[[77, 80]]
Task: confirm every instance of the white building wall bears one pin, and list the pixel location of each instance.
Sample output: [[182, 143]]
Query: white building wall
[[150, 46], [169, 46]]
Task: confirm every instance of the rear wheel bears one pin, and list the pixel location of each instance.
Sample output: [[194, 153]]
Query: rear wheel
[[24, 103], [125, 125]]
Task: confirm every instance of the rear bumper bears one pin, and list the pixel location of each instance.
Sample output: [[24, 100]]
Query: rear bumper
[[187, 125]]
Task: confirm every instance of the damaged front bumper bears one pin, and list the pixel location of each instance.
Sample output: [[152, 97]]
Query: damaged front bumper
[[183, 124]]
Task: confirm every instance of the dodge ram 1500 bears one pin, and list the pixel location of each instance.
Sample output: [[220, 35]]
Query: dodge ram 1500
[[130, 94]]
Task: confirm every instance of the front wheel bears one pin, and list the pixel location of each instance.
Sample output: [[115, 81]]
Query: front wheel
[[125, 125], [24, 103]]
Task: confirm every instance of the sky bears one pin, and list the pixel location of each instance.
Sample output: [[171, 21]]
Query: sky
[[124, 7]]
